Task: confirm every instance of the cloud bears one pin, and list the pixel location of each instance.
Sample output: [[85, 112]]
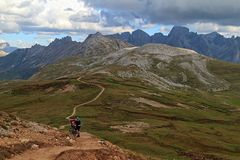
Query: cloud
[[2, 41], [227, 30], [178, 12], [21, 44], [111, 19], [53, 16], [68, 9], [109, 16], [80, 17]]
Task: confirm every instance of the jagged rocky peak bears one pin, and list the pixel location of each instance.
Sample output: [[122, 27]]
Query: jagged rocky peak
[[98, 44], [58, 41], [97, 34], [67, 38], [140, 32], [139, 37], [179, 30], [37, 46], [126, 34], [212, 44], [214, 35], [158, 38]]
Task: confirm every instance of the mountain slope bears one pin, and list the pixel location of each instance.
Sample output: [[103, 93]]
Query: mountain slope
[[177, 123], [159, 65], [20, 64], [213, 44], [97, 44], [29, 140], [23, 63]]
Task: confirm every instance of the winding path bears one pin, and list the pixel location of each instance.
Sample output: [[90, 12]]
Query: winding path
[[85, 103], [87, 142]]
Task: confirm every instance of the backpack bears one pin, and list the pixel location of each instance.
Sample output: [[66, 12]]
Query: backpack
[[78, 122]]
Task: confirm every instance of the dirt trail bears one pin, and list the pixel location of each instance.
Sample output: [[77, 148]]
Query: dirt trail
[[85, 103], [86, 142], [86, 147], [94, 99]]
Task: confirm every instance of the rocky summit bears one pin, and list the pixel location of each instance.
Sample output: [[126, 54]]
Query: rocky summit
[[213, 44]]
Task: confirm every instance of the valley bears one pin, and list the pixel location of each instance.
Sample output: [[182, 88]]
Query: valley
[[195, 123], [119, 80], [158, 101]]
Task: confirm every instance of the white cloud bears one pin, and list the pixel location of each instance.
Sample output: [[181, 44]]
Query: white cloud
[[21, 43], [2, 41], [50, 40], [165, 29], [59, 16], [227, 31], [77, 17]]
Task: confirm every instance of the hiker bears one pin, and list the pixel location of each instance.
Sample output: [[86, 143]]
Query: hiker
[[75, 123], [78, 126]]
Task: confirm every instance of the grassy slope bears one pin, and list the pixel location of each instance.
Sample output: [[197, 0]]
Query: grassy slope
[[209, 126], [31, 100], [211, 130]]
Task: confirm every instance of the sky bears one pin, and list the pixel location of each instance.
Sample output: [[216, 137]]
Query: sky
[[24, 23]]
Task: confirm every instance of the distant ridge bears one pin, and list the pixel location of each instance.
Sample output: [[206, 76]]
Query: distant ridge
[[23, 63], [213, 44], [5, 47]]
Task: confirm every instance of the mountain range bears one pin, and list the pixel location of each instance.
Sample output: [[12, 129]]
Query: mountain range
[[213, 44], [159, 65], [23, 63]]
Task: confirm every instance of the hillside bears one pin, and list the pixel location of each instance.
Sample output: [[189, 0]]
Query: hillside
[[160, 124], [21, 139], [181, 120], [161, 66], [213, 44]]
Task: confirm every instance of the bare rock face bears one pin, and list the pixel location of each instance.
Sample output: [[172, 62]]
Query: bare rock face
[[97, 44], [161, 66], [164, 66]]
